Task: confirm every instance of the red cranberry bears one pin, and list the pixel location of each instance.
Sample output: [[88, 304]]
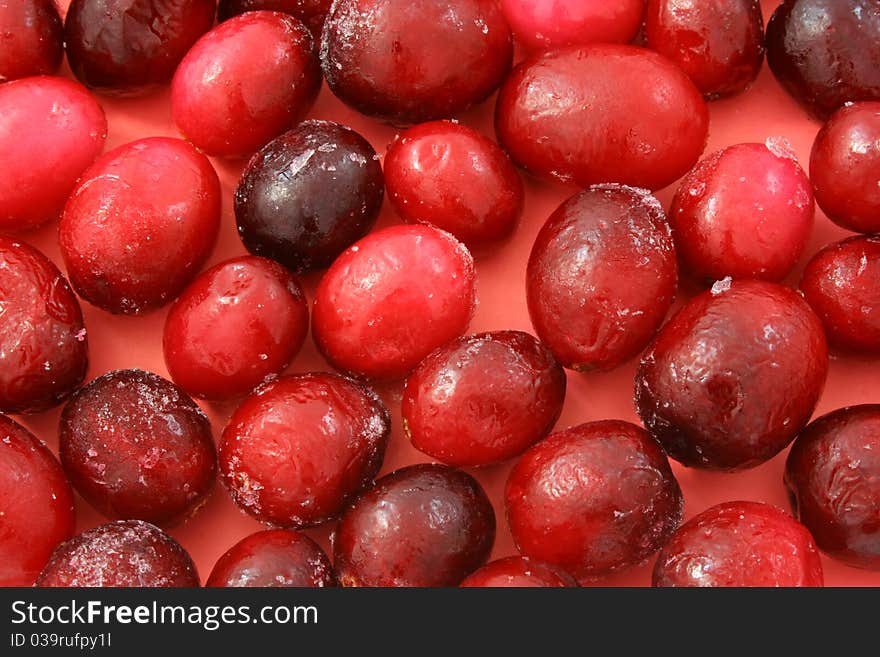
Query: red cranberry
[[593, 499], [391, 299], [746, 212], [518, 572], [245, 82], [33, 39], [734, 376], [140, 223], [448, 175], [740, 544], [237, 325], [408, 61], [300, 447], [601, 277], [44, 353], [423, 525], [51, 129], [282, 205], [273, 558], [125, 553], [36, 505], [310, 12], [483, 398]]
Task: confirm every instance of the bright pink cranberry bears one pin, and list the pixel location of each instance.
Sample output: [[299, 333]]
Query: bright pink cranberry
[[32, 37], [734, 376], [518, 572], [245, 82], [310, 12], [391, 299]]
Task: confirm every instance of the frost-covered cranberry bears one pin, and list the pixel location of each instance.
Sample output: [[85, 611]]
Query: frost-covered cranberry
[[593, 499], [299, 448], [734, 376], [423, 525], [518, 572], [601, 276], [740, 544], [308, 195], [483, 398], [245, 82], [391, 299], [310, 12], [32, 37], [408, 61], [746, 212], [140, 223]]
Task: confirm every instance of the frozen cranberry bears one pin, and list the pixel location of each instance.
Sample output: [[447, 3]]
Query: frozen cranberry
[[593, 499], [32, 37], [746, 212], [139, 224], [448, 175], [273, 558], [518, 572], [740, 544], [51, 129], [308, 195], [408, 61], [601, 277], [734, 376], [300, 447], [245, 82], [310, 12], [391, 299], [423, 525], [483, 398], [135, 446]]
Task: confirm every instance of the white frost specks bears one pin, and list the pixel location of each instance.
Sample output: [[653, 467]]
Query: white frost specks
[[722, 286], [781, 147]]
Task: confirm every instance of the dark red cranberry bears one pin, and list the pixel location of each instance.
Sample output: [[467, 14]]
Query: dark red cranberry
[[36, 505], [450, 176], [32, 37], [734, 376], [308, 195], [601, 276], [593, 499], [483, 399], [125, 553], [391, 299], [139, 225], [409, 61], [299, 448], [423, 525], [518, 572], [740, 544], [310, 12], [277, 558]]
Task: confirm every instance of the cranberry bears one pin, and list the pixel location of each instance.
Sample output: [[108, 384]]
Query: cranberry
[[51, 129], [391, 299], [44, 353], [300, 447], [36, 505], [483, 398], [32, 36], [245, 82], [740, 544], [518, 572], [423, 525], [593, 499], [282, 205], [746, 211], [140, 223], [734, 376], [409, 61], [310, 12], [273, 558], [601, 277], [448, 175]]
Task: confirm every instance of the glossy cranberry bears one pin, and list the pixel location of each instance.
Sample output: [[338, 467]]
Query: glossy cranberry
[[746, 212], [36, 505], [51, 130], [452, 177], [299, 448], [593, 499], [32, 37], [423, 525], [409, 61], [601, 277], [740, 544], [310, 12], [391, 299], [282, 205], [734, 376], [518, 572], [139, 224]]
